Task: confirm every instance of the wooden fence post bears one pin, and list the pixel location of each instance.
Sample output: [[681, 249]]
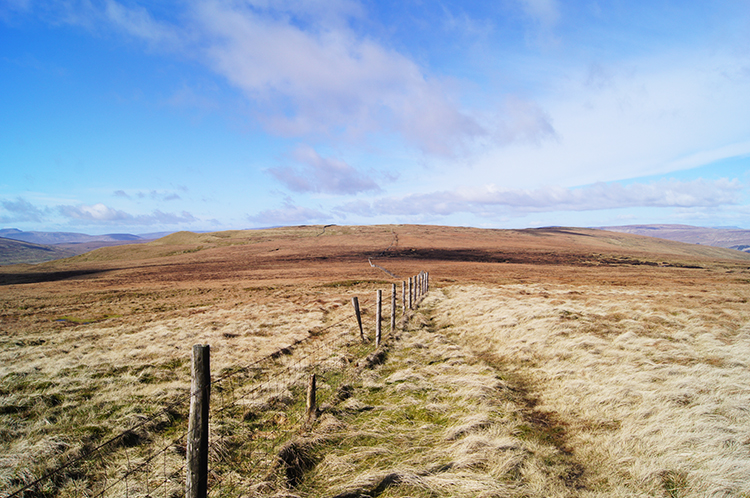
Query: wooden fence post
[[355, 303], [393, 308], [403, 296], [411, 293], [196, 485], [311, 403], [416, 296], [378, 316]]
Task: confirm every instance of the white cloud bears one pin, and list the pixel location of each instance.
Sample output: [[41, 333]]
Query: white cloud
[[102, 214], [491, 200], [632, 119], [290, 214], [154, 195], [138, 22], [324, 175], [322, 79], [22, 210]]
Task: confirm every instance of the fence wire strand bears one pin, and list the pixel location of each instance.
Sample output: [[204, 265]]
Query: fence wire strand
[[285, 367]]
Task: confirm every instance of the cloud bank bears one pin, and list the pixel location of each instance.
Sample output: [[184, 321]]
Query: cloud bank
[[301, 65], [490, 200], [102, 214]]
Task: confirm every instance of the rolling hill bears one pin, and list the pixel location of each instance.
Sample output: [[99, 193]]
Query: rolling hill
[[542, 362], [17, 252]]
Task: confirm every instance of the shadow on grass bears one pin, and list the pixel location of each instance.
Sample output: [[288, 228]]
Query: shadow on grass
[[39, 277]]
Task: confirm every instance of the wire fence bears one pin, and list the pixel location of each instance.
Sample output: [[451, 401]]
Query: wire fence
[[254, 410]]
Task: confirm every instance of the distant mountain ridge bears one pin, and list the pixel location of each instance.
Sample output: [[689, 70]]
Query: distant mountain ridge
[[18, 246], [19, 251], [729, 238], [65, 237]]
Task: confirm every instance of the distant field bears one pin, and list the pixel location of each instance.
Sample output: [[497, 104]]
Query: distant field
[[548, 362]]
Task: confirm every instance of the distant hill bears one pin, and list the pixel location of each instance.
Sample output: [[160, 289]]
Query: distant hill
[[730, 238], [16, 252], [38, 247], [66, 237]]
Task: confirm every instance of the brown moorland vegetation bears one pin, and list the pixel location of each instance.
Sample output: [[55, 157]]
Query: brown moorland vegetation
[[544, 362]]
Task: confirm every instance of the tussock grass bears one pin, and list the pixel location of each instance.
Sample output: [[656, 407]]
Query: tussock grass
[[652, 387], [65, 387], [433, 420]]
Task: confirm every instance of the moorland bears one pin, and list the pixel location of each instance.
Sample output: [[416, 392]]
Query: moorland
[[542, 362]]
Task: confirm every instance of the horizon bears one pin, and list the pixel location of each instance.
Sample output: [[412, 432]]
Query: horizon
[[169, 232], [140, 117]]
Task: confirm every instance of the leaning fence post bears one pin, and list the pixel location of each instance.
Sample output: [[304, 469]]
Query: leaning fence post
[[393, 308], [378, 316], [196, 485], [355, 303]]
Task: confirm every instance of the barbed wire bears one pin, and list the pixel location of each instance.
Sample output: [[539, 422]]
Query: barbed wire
[[316, 338]]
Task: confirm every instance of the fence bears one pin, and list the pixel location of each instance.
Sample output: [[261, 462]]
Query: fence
[[253, 411]]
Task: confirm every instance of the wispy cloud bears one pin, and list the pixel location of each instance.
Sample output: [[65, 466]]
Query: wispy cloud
[[302, 66], [319, 77], [22, 210], [490, 200], [154, 195], [138, 22], [523, 121], [102, 214], [324, 175], [544, 12], [544, 15], [289, 214]]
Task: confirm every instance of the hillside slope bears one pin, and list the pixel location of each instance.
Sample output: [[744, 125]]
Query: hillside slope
[[17, 252], [545, 362]]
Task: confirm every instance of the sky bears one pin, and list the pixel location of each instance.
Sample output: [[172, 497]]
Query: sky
[[123, 116]]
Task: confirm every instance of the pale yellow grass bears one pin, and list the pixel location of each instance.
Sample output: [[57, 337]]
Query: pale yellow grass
[[434, 420], [94, 380], [654, 385]]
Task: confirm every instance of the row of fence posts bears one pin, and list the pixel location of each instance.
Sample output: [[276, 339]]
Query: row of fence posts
[[418, 287], [196, 483]]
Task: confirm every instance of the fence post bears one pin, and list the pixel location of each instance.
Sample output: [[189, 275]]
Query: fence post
[[411, 293], [355, 303], [196, 485], [403, 296], [311, 403], [393, 308], [378, 316], [415, 292]]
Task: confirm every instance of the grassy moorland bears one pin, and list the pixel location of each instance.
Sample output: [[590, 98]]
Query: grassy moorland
[[548, 362]]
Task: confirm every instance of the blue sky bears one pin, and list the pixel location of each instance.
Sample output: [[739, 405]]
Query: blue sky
[[134, 116]]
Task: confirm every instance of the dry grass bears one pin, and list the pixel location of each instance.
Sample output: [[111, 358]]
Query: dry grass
[[652, 387], [67, 385], [553, 362]]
